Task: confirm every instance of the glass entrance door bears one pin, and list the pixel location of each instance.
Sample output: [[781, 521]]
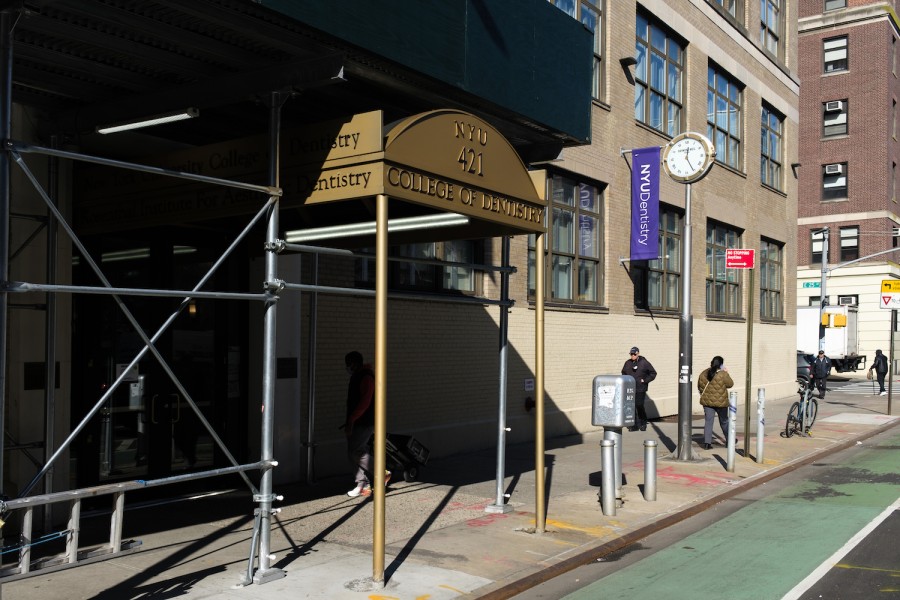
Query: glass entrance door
[[147, 428]]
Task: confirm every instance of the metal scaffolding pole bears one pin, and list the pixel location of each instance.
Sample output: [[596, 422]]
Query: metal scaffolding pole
[[266, 572], [6, 39], [500, 505], [50, 336]]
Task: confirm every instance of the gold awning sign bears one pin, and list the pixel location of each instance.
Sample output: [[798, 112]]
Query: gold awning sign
[[448, 160]]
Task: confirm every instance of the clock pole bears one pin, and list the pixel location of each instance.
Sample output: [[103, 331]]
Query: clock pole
[[685, 340], [680, 167]]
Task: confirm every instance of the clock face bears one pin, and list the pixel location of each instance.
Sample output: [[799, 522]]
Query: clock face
[[688, 157]]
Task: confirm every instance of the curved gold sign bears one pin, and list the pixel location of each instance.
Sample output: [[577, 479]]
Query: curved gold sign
[[455, 161]]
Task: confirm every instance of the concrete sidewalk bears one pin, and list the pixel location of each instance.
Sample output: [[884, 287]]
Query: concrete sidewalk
[[441, 543]]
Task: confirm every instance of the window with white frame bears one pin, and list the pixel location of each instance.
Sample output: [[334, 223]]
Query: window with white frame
[[590, 13], [771, 279], [732, 7], [816, 246], [835, 4], [658, 76], [834, 181], [771, 156], [770, 25], [574, 239], [835, 54], [657, 283], [723, 108], [834, 117], [723, 285], [849, 243]]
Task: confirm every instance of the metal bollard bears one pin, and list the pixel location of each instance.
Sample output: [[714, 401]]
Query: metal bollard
[[732, 422], [608, 477], [615, 434], [760, 422], [650, 470]]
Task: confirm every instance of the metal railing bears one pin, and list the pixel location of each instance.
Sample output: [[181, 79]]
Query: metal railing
[[74, 554]]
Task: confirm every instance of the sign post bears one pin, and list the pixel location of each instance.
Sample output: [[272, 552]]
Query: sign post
[[890, 299], [745, 258]]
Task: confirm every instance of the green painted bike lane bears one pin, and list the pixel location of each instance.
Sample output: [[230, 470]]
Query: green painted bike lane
[[763, 550]]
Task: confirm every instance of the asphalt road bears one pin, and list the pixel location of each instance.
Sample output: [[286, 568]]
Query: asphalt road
[[826, 531]]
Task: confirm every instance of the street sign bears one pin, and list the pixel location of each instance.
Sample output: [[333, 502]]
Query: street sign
[[889, 298], [812, 284], [739, 258]]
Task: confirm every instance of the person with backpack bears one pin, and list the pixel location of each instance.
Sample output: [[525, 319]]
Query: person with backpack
[[713, 385]]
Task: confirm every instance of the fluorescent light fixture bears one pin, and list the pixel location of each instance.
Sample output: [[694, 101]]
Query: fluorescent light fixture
[[120, 255], [394, 225], [169, 117]]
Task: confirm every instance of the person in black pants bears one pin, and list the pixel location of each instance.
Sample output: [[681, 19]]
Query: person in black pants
[[880, 365], [821, 371], [643, 372]]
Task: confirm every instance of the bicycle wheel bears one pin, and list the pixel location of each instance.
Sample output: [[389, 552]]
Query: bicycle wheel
[[793, 423], [812, 411]]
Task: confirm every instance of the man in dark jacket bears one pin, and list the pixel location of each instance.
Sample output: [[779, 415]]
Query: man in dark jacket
[[643, 372], [880, 365], [360, 421], [821, 371]]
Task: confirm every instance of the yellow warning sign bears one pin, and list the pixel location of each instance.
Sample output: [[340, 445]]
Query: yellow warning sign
[[890, 285]]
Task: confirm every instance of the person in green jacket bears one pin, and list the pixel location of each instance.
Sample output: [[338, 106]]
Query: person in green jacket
[[713, 385]]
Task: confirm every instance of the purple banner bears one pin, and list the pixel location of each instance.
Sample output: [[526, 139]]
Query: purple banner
[[645, 203]]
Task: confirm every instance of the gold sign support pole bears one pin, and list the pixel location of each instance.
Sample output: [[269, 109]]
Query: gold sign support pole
[[381, 294], [540, 518]]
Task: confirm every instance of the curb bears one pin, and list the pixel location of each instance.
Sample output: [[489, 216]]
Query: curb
[[508, 590]]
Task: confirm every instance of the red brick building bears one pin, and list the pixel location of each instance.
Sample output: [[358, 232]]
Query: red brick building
[[848, 159]]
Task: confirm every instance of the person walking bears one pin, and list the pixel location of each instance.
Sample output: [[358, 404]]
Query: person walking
[[880, 366], [713, 385], [643, 372], [359, 424], [821, 371]]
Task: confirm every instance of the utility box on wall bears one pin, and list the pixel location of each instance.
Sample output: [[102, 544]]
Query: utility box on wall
[[613, 401]]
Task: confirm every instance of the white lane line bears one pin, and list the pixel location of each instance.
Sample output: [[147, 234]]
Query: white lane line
[[835, 558]]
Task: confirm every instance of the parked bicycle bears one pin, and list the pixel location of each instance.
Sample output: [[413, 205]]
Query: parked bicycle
[[802, 414]]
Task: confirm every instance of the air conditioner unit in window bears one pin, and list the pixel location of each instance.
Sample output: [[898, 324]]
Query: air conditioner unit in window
[[847, 300], [834, 106], [834, 169]]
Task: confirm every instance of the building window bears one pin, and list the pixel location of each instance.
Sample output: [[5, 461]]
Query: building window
[[834, 181], [590, 13], [657, 283], [723, 108], [771, 158], [770, 25], [771, 273], [592, 18], [817, 246], [574, 237], [835, 50], [658, 98], [849, 243], [406, 273], [723, 286], [834, 117], [893, 182], [732, 7], [835, 4]]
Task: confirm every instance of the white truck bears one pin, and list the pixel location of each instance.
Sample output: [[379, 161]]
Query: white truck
[[841, 336]]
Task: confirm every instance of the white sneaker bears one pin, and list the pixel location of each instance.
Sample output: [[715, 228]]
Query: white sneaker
[[357, 490], [883, 394]]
